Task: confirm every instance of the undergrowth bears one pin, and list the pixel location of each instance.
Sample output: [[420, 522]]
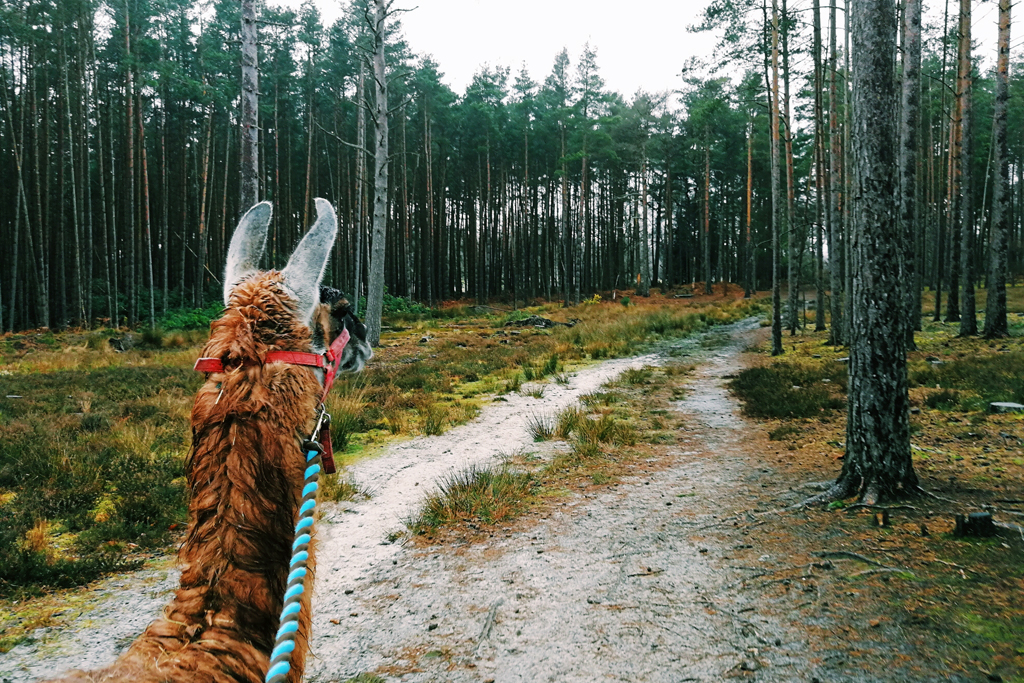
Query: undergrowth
[[92, 441], [792, 389]]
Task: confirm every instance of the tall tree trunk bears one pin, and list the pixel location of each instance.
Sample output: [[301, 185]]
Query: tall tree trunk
[[835, 179], [909, 123], [751, 278], [776, 190], [819, 167], [76, 228], [968, 317], [793, 275], [250, 109], [202, 236], [707, 212], [148, 246], [995, 307], [877, 463], [357, 285], [129, 218], [375, 286]]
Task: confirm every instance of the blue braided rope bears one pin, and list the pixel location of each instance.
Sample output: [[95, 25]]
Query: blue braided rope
[[284, 645]]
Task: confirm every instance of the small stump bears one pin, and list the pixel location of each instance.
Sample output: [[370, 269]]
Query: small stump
[[978, 524]]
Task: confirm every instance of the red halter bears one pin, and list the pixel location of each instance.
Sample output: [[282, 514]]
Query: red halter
[[328, 362]]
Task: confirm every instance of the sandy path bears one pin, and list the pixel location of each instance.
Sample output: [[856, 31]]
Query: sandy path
[[609, 587]]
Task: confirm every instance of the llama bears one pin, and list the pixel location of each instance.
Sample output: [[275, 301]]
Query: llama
[[245, 468]]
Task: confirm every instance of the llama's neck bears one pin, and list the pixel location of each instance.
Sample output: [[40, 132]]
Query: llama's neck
[[246, 474]]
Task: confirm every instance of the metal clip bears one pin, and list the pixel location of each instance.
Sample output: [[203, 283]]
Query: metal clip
[[323, 417]]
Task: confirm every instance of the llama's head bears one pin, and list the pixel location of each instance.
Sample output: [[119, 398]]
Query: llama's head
[[300, 279]]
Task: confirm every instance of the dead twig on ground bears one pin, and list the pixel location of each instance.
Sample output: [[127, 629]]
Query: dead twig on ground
[[485, 632], [850, 556]]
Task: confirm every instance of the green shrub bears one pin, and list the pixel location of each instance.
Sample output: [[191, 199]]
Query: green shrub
[[190, 318], [943, 400]]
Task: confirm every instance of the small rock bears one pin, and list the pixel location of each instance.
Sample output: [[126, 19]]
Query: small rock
[[817, 355], [750, 665], [915, 411], [349, 591], [843, 360], [424, 340], [1005, 407]]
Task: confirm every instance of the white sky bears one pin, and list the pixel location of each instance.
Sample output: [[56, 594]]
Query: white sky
[[640, 45]]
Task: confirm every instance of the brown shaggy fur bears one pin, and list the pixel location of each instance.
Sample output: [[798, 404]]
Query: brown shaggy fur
[[245, 473]]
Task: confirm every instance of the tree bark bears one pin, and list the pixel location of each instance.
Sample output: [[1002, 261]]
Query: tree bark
[[250, 109], [968, 316], [707, 212], [357, 285], [909, 122], [776, 190], [877, 463], [995, 308], [819, 167], [835, 179], [375, 287], [793, 275]]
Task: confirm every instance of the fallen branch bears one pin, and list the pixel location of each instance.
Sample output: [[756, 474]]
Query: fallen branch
[[880, 507], [850, 556], [880, 570]]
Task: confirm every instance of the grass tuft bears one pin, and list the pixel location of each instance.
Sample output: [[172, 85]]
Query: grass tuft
[[541, 427], [478, 494]]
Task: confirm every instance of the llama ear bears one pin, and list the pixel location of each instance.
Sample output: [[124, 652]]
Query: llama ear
[[306, 266], [247, 245]]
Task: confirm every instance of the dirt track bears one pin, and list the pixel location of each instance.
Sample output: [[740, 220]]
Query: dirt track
[[633, 582]]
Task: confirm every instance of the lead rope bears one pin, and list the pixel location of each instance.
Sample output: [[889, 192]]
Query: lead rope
[[284, 645]]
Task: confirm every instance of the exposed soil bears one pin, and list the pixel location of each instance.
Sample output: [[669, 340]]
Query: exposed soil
[[679, 571]]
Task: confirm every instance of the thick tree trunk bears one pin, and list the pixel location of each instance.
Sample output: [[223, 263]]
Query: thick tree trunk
[[375, 286], [909, 122], [877, 463], [995, 307], [250, 109]]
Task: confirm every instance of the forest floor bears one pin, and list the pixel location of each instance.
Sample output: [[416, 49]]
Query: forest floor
[[668, 559]]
